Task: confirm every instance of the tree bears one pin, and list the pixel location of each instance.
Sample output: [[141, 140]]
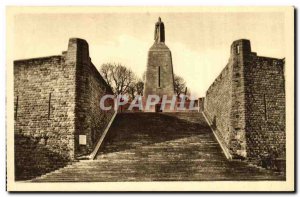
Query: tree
[[118, 77], [139, 87], [136, 88], [123, 81], [180, 86], [131, 91]]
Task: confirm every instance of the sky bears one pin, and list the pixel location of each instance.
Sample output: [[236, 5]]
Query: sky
[[199, 41]]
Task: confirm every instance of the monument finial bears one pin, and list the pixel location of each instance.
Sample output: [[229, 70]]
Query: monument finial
[[159, 33]]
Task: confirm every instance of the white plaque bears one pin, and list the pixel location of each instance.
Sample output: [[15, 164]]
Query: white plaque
[[82, 139]]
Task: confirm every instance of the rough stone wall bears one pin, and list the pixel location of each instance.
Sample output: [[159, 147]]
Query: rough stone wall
[[239, 50], [265, 108], [251, 99], [90, 120], [56, 98], [217, 105], [159, 66], [44, 88], [44, 112]]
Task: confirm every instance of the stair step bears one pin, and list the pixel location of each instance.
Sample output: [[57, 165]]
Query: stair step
[[159, 147]]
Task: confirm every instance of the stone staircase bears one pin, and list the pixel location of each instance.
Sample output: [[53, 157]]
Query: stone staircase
[[159, 147]]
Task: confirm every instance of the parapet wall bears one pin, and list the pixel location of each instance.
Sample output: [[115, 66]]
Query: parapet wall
[[56, 101], [246, 105]]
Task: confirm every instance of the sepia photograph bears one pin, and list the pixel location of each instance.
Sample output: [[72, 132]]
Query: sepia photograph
[[150, 98]]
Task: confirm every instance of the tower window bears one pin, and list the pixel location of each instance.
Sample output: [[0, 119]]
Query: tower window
[[49, 105], [159, 76], [238, 49]]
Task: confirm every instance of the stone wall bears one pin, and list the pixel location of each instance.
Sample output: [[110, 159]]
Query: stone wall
[[44, 111], [56, 98], [218, 103], [265, 108], [90, 120], [246, 105]]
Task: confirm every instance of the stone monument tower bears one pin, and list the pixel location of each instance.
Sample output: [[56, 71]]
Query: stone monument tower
[[159, 73]]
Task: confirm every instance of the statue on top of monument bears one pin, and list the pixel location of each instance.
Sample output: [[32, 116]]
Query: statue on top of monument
[[159, 34]]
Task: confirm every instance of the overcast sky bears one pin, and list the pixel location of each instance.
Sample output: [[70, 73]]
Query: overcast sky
[[199, 42]]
